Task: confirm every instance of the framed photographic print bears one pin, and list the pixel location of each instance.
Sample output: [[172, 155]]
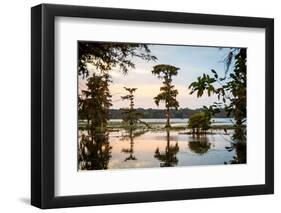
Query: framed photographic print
[[140, 106]]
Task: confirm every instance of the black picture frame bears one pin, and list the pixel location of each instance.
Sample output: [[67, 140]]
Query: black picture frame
[[43, 102]]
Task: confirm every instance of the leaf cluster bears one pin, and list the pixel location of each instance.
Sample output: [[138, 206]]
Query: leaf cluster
[[168, 93], [105, 56]]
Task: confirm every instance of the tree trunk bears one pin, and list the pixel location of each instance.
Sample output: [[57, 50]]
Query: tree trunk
[[168, 117]]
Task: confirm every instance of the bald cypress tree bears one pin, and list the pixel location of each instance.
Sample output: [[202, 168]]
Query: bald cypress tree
[[104, 57], [168, 93], [96, 102], [130, 115]]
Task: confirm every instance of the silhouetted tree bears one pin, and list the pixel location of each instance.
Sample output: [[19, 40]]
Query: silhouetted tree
[[168, 93], [105, 56], [130, 115], [96, 102], [231, 91]]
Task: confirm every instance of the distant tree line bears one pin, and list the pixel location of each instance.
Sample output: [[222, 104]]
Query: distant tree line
[[160, 113]]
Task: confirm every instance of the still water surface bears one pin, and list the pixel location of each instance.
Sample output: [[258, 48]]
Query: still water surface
[[145, 149], [140, 153]]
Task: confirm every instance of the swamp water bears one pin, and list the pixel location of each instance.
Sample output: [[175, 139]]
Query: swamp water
[[119, 148]]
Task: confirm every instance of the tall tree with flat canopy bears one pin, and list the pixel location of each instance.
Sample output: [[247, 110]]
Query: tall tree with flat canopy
[[168, 93]]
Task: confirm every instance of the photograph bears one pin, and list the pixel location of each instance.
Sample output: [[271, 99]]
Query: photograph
[[134, 105], [160, 105]]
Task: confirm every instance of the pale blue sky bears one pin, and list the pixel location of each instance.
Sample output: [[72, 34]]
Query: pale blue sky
[[193, 61]]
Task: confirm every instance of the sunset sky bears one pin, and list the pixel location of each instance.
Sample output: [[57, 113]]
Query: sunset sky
[[193, 62]]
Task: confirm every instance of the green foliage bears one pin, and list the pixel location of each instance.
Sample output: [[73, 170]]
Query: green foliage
[[105, 56], [204, 83], [200, 121], [130, 115], [231, 91], [165, 71], [168, 93], [130, 96], [238, 88], [95, 101]]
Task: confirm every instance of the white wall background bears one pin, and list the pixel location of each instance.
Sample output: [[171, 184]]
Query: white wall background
[[15, 105]]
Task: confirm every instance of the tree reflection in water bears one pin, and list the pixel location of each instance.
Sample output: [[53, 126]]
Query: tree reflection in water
[[94, 151], [200, 145], [130, 150], [131, 134], [168, 158]]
